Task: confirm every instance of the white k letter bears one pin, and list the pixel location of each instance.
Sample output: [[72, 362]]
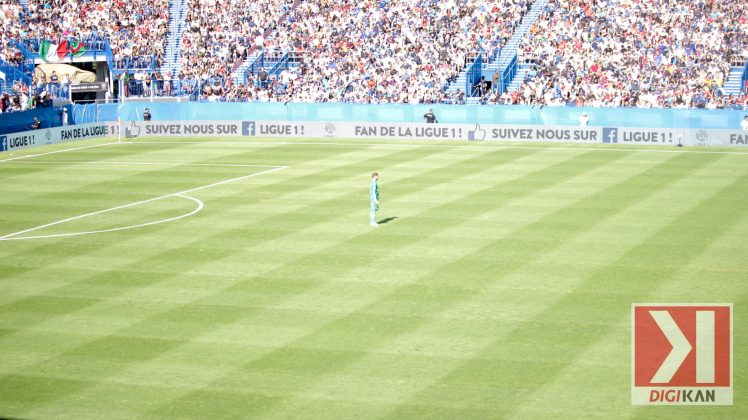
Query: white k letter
[[681, 347]]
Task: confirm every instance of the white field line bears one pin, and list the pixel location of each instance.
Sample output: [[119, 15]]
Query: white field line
[[473, 145], [179, 193], [56, 151], [125, 163], [200, 206]]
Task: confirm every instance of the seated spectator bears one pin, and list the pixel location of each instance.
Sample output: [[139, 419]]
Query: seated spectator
[[673, 54]]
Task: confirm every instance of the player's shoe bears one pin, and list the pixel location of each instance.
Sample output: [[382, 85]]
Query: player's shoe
[[374, 224]]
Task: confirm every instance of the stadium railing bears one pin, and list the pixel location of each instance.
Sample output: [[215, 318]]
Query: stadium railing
[[267, 60], [13, 74], [28, 64], [91, 43], [56, 91], [143, 62], [508, 73], [266, 33], [158, 88]]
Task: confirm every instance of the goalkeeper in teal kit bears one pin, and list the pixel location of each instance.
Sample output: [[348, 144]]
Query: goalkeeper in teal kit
[[374, 198]]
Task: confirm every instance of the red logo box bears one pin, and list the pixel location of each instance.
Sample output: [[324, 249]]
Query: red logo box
[[681, 354]]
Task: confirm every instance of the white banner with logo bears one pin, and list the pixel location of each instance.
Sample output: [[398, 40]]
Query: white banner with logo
[[422, 131], [44, 136], [402, 131]]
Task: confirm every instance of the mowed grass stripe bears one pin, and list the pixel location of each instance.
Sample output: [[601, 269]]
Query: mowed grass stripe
[[155, 268], [127, 190], [47, 250], [123, 383], [541, 252], [696, 281], [392, 160], [85, 196], [92, 187], [16, 174], [293, 351], [155, 322], [605, 364], [22, 176], [69, 183], [493, 367], [106, 259], [454, 278]]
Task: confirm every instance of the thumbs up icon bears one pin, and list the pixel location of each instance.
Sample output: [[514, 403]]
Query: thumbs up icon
[[477, 134]]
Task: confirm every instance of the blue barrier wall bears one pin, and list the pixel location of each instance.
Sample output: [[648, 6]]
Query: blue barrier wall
[[458, 114], [15, 122]]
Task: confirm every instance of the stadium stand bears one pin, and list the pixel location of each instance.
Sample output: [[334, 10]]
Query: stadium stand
[[14, 85], [173, 54], [379, 52], [135, 29], [634, 53], [218, 33], [608, 53]]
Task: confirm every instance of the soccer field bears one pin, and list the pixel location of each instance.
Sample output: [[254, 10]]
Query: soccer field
[[239, 278]]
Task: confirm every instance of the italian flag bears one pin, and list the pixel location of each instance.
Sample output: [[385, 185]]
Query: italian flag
[[48, 51], [56, 52], [63, 49]]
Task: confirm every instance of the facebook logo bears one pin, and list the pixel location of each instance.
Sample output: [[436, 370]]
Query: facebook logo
[[248, 128], [610, 135], [3, 143]]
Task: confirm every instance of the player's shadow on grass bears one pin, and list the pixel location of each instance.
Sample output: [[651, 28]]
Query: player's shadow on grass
[[387, 220]]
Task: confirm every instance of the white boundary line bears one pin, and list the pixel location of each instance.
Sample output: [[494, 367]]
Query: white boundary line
[[472, 145], [124, 163], [11, 236], [56, 151], [200, 206]]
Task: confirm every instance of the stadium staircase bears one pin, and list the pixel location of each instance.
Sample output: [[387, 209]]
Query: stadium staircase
[[734, 83], [12, 74], [508, 60], [273, 62], [173, 52], [461, 81], [519, 76], [238, 74], [508, 53]]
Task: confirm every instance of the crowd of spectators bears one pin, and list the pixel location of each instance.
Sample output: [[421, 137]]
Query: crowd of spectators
[[397, 51], [219, 33], [653, 53], [645, 53], [133, 28], [10, 11], [20, 97], [156, 83]]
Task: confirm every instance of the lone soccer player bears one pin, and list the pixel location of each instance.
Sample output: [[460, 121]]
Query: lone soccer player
[[374, 198]]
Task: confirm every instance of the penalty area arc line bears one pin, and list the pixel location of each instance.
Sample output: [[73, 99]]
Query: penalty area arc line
[[198, 208], [178, 194]]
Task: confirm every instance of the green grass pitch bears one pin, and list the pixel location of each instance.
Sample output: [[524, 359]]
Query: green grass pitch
[[500, 287]]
